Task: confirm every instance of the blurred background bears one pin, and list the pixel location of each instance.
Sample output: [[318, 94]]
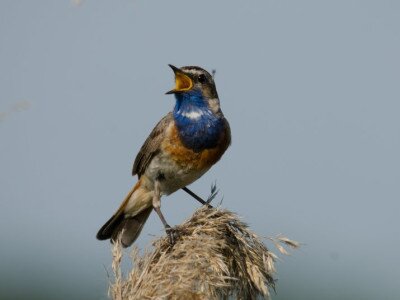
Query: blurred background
[[311, 89]]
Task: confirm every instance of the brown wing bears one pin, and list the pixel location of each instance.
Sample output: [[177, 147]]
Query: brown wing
[[151, 146]]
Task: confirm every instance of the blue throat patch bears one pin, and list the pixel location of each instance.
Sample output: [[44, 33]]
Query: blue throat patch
[[199, 128]]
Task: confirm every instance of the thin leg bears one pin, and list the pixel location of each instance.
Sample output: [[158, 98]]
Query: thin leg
[[196, 197], [157, 208]]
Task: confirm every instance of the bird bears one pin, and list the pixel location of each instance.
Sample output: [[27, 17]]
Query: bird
[[182, 147]]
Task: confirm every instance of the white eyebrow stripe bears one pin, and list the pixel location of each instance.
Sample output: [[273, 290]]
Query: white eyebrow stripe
[[194, 71]]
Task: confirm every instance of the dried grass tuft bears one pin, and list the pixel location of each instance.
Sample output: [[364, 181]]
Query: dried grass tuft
[[215, 256]]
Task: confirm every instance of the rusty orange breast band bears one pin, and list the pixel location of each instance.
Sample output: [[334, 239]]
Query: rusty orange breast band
[[185, 157]]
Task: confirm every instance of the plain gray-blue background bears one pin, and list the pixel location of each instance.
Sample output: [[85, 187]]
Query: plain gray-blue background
[[311, 89]]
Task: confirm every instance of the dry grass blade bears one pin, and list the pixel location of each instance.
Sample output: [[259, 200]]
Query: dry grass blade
[[216, 256], [213, 194], [280, 240], [115, 290]]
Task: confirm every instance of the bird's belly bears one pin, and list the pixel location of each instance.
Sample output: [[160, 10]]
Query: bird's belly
[[172, 175]]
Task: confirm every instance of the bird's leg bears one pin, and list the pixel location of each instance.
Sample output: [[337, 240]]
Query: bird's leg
[[200, 199], [194, 195], [157, 206]]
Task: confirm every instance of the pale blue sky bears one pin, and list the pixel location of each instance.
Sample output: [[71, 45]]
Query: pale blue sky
[[311, 89]]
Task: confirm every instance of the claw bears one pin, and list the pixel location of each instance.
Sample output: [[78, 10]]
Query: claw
[[172, 234]]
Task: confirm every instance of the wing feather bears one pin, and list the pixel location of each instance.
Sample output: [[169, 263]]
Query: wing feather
[[151, 146]]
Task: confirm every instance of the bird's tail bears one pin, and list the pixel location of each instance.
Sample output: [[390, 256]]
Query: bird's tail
[[130, 225]]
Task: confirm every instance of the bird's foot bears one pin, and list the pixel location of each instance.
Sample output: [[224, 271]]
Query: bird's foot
[[172, 233]]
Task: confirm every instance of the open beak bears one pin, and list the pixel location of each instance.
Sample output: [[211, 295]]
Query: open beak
[[183, 82]]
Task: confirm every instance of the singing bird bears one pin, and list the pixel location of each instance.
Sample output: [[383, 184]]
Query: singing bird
[[183, 146]]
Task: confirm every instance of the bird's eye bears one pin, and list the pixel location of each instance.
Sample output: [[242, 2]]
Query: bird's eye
[[202, 78]]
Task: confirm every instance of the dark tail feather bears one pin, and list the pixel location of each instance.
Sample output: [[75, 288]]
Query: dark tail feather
[[130, 226], [107, 229]]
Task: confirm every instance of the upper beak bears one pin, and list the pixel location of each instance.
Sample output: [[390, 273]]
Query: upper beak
[[175, 69], [182, 81]]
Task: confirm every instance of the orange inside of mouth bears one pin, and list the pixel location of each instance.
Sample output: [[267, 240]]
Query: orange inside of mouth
[[182, 82]]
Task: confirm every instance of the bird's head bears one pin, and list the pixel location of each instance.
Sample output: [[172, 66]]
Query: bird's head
[[194, 84]]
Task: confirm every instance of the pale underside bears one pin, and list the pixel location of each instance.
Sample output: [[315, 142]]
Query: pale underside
[[174, 178]]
